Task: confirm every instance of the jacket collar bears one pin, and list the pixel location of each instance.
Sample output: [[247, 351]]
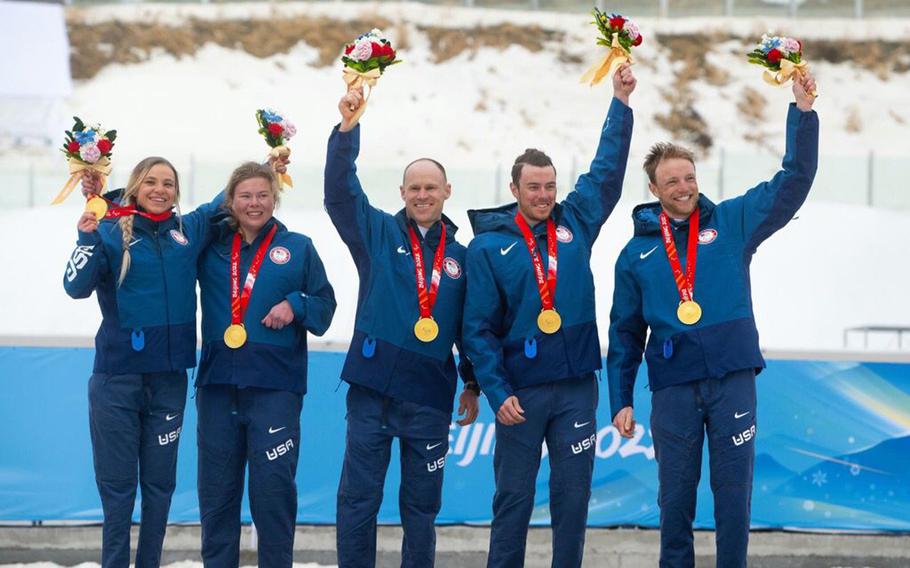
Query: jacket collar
[[433, 233], [502, 218], [646, 217]]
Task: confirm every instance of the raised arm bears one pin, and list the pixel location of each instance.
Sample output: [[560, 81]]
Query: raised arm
[[88, 261], [770, 205], [597, 191]]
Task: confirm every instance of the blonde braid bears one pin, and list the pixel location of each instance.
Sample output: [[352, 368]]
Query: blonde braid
[[126, 228]]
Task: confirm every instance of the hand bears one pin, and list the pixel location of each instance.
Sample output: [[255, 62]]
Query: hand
[[88, 223], [348, 106], [91, 183], [803, 87], [279, 316], [624, 422], [510, 413], [624, 82], [280, 164], [467, 403]]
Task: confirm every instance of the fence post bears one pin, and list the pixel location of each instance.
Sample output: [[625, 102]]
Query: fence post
[[191, 178], [722, 161], [535, 4], [870, 179], [31, 184], [858, 9], [602, 5], [792, 10], [664, 8], [497, 183], [728, 8]]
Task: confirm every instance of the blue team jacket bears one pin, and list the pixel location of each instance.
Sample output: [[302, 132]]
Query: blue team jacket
[[291, 270], [645, 295], [501, 336], [384, 354], [148, 323]]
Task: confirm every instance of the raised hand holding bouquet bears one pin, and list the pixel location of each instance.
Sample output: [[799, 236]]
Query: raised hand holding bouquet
[[365, 60], [782, 58], [276, 130], [620, 35], [87, 148]]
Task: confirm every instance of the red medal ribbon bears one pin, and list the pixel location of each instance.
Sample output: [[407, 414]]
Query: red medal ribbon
[[685, 282], [546, 285], [240, 300], [427, 299], [114, 211]]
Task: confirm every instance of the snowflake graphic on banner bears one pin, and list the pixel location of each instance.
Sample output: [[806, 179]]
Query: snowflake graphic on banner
[[819, 478]]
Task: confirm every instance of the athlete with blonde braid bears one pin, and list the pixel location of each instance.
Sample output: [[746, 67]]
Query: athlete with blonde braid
[[140, 260]]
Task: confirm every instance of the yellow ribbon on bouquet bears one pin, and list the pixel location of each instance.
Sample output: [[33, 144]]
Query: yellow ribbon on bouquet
[[281, 152], [102, 166], [355, 80], [609, 64], [788, 70]]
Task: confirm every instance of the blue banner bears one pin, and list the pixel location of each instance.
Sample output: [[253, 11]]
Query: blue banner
[[832, 450]]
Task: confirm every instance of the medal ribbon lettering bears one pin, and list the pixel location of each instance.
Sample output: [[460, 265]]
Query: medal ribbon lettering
[[427, 298], [685, 282], [546, 285], [240, 300]]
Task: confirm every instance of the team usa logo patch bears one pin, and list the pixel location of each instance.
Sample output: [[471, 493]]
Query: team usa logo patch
[[179, 237], [563, 234], [280, 255], [452, 268], [707, 236]]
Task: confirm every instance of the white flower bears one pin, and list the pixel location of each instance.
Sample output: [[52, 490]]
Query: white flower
[[363, 50], [289, 128], [90, 153]]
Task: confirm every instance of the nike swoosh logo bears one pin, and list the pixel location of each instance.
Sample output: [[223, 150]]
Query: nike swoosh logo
[[429, 447], [738, 415], [577, 425], [505, 251], [135, 241], [273, 430], [645, 255], [170, 417], [402, 251]]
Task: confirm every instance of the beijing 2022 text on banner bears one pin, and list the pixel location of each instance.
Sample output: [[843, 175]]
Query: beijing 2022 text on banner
[[832, 450]]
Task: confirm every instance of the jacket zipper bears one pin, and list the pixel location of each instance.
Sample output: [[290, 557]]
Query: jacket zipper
[[167, 312]]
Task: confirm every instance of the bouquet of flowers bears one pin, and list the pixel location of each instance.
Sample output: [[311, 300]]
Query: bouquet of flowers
[[620, 35], [87, 148], [782, 58], [365, 60], [276, 130]]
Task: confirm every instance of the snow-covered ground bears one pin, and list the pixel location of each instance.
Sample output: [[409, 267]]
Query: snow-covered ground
[[837, 266]]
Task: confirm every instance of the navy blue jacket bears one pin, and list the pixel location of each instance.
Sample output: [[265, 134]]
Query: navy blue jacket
[[384, 354], [501, 336], [148, 323], [645, 295], [291, 270]]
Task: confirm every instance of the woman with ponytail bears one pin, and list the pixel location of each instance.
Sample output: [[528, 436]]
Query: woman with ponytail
[[140, 260], [263, 290]]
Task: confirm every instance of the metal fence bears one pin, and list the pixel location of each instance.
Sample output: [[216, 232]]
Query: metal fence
[[869, 180], [674, 8]]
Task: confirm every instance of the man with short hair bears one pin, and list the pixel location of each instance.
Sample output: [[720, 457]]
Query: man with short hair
[[685, 275], [529, 330], [400, 365]]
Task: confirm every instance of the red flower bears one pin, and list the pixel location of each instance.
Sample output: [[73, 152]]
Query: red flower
[[800, 46], [348, 48], [275, 129], [72, 147], [104, 146], [377, 50], [617, 22], [637, 40], [388, 52], [774, 55]]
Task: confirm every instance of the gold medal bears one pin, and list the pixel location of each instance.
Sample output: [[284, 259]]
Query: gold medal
[[426, 329], [97, 206], [235, 336], [688, 312], [549, 321]]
